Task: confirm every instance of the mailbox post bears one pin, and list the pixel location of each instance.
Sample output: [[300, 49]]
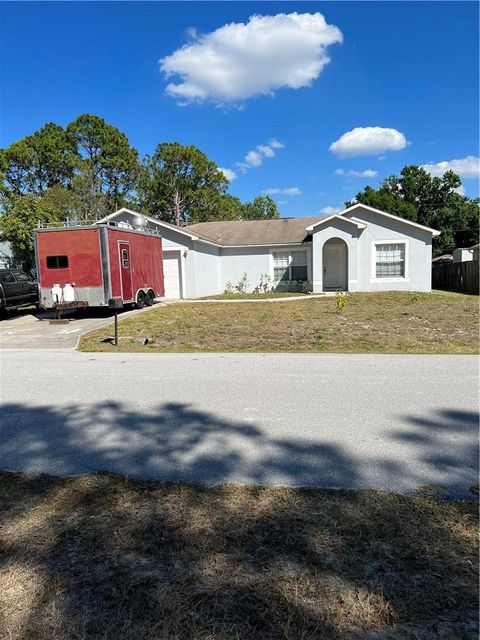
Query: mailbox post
[[115, 304]]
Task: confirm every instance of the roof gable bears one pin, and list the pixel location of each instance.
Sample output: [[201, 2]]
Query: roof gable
[[359, 205], [336, 216]]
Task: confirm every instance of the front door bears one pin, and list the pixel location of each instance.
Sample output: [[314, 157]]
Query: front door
[[334, 266], [125, 270]]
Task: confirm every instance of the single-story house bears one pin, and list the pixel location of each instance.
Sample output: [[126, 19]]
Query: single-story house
[[357, 249], [466, 254]]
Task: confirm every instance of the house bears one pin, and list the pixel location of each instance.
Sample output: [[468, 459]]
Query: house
[[357, 249], [463, 255], [6, 257]]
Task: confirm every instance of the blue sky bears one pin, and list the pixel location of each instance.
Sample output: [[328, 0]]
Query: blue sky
[[401, 82]]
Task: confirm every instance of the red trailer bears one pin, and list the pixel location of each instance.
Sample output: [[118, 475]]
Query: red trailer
[[91, 265]]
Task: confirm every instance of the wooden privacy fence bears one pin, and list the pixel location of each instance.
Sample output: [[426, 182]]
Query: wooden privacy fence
[[456, 276]]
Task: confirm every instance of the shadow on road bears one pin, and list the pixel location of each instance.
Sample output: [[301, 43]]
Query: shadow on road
[[176, 442]]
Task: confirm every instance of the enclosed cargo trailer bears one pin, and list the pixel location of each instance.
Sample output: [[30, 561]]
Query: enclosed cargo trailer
[[90, 265]]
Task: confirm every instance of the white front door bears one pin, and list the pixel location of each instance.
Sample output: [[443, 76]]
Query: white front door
[[171, 274], [334, 266]]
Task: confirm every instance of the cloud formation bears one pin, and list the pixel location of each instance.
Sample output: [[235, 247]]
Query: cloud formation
[[287, 191], [365, 141], [255, 157], [329, 211], [242, 60], [228, 173], [368, 173], [468, 167]]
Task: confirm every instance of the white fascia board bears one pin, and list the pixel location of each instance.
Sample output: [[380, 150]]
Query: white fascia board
[[357, 223], [359, 205], [278, 244]]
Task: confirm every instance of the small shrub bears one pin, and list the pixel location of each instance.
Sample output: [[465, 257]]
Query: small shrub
[[306, 286], [229, 288], [242, 285], [341, 298], [265, 284]]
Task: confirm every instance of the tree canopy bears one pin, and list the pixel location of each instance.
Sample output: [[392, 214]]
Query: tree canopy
[[179, 184], [88, 169], [429, 200]]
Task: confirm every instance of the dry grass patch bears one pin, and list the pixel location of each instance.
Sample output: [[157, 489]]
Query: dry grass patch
[[102, 557], [392, 322]]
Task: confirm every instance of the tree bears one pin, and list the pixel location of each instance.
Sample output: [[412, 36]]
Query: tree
[[21, 214], [431, 201], [262, 208], [38, 162], [107, 165], [180, 184]]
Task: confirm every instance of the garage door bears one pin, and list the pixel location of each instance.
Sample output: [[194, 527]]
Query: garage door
[[171, 274]]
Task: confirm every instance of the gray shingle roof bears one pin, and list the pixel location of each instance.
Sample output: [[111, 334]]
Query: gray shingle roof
[[247, 232]]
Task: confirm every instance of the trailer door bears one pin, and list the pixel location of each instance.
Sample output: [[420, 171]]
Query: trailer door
[[125, 270]]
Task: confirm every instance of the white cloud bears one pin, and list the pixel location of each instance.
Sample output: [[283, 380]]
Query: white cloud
[[365, 141], [468, 167], [228, 173], [255, 157], [460, 190], [241, 60], [288, 191], [329, 211], [368, 173]]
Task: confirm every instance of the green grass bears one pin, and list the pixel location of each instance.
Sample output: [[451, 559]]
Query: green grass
[[392, 322], [101, 556]]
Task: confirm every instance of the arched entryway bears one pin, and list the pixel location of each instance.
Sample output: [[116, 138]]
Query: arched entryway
[[335, 265]]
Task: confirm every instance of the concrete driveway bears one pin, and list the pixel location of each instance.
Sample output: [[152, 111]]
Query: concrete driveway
[[31, 329]]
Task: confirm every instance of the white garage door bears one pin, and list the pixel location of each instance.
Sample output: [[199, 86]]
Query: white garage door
[[171, 275]]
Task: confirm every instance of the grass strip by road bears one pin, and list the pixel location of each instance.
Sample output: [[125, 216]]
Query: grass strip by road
[[101, 556], [391, 322]]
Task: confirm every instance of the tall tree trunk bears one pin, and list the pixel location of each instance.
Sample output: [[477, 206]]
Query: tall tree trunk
[[177, 207]]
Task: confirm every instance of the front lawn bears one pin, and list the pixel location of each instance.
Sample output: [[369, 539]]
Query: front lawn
[[392, 322], [101, 556]]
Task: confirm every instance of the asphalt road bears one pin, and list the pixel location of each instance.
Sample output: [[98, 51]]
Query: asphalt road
[[382, 421]]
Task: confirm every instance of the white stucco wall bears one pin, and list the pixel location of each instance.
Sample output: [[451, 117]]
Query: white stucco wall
[[361, 253], [202, 270], [255, 262]]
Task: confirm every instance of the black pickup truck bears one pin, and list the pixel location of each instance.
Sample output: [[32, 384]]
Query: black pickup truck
[[17, 290]]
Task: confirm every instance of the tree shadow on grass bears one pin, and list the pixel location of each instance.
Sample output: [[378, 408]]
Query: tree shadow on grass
[[103, 557]]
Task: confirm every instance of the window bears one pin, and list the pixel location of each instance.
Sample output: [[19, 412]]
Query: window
[[298, 266], [390, 260], [21, 277], [290, 265], [125, 258], [57, 262], [281, 264]]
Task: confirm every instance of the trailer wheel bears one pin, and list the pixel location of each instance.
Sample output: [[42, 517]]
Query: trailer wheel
[[140, 300], [149, 299]]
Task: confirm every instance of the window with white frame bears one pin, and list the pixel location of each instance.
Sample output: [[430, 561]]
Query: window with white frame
[[390, 260], [290, 266]]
